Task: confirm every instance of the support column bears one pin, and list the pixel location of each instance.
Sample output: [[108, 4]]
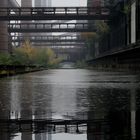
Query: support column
[[3, 31], [133, 22], [26, 3]]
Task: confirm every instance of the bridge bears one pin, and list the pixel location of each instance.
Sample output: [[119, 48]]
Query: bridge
[[57, 13], [50, 27], [59, 44], [48, 38], [123, 26]]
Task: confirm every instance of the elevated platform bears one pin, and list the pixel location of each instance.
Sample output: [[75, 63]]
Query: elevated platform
[[63, 38], [50, 27], [125, 58], [54, 13]]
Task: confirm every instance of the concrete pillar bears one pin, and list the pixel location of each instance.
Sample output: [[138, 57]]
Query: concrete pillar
[[3, 31], [133, 22]]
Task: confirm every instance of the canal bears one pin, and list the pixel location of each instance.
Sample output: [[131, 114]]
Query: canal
[[73, 94]]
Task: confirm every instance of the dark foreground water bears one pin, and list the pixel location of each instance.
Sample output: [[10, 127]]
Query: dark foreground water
[[111, 98]]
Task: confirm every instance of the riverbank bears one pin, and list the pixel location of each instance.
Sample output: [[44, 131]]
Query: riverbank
[[10, 70], [121, 60]]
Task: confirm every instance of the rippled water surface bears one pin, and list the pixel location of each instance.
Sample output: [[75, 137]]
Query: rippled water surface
[[73, 94]]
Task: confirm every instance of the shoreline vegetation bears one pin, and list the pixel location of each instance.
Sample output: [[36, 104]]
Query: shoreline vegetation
[[27, 59]]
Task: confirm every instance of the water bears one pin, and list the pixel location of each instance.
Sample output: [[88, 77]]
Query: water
[[73, 94]]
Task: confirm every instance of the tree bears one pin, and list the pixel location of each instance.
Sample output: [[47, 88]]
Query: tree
[[5, 59], [28, 55]]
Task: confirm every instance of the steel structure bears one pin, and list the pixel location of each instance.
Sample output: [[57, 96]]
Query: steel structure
[[51, 38], [57, 44], [50, 27], [55, 13]]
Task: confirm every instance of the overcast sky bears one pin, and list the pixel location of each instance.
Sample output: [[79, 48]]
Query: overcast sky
[[66, 3], [69, 3]]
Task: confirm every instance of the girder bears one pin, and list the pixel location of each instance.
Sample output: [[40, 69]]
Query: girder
[[55, 45], [54, 13], [51, 27], [51, 38], [60, 44]]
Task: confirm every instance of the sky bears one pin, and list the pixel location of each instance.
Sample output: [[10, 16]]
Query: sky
[[69, 3], [66, 3]]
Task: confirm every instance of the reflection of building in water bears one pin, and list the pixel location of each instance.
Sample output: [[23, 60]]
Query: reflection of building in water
[[138, 114], [112, 107], [4, 135], [43, 136]]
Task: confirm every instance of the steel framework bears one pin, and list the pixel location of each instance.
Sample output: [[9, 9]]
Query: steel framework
[[51, 38], [57, 13], [51, 27]]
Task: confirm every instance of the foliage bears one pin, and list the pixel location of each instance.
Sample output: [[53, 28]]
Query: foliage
[[89, 35], [102, 28], [30, 56], [126, 9], [5, 59]]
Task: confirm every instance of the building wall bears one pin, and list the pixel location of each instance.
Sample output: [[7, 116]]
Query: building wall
[[3, 31], [42, 3], [94, 3], [26, 3], [138, 20]]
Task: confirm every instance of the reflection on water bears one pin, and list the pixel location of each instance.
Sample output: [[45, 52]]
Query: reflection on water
[[71, 94]]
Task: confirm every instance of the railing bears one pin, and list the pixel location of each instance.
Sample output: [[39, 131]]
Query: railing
[[68, 38], [30, 13], [51, 27]]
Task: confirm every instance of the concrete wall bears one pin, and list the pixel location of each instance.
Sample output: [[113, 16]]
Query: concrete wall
[[3, 31]]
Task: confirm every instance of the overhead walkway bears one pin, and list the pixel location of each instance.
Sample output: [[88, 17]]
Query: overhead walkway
[[57, 44], [54, 13], [51, 27], [48, 38]]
